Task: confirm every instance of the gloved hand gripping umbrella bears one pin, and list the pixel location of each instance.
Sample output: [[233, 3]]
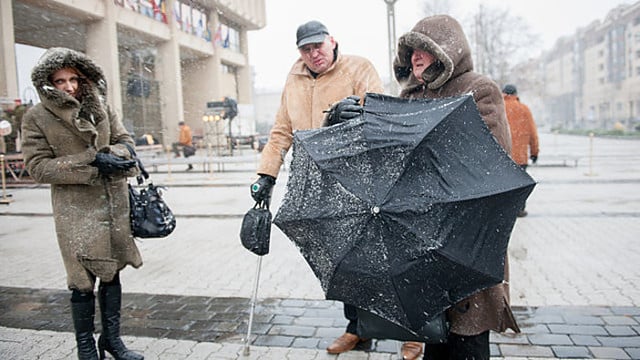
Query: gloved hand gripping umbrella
[[406, 210]]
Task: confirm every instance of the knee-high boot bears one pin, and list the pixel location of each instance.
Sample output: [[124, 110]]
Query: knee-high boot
[[110, 300], [83, 310]]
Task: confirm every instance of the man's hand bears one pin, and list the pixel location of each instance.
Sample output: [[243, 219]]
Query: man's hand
[[262, 188], [534, 158], [109, 164], [345, 109]]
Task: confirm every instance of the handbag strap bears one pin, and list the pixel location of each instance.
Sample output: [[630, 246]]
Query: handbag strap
[[144, 175]]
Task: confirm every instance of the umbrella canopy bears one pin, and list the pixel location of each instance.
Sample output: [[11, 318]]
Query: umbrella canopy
[[405, 211]]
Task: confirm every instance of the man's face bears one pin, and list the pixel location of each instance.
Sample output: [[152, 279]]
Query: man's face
[[318, 56], [67, 80], [420, 60]]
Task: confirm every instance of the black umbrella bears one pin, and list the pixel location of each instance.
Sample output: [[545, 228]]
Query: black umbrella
[[405, 211]]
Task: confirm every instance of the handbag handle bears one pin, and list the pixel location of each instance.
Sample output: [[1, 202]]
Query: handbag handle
[[261, 205], [144, 175]]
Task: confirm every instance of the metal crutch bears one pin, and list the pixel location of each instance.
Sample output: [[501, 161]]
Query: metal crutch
[[252, 307]]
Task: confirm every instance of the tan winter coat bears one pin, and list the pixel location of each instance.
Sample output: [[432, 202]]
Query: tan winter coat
[[452, 75], [524, 136], [304, 99], [61, 137]]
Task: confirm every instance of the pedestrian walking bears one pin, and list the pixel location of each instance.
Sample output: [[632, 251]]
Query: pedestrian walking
[[434, 61], [320, 78], [184, 143], [524, 134], [75, 142]]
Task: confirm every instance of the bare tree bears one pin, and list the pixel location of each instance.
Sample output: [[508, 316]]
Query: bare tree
[[434, 7], [499, 41]]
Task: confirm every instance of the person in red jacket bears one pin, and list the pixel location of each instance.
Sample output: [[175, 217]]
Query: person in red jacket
[[524, 135]]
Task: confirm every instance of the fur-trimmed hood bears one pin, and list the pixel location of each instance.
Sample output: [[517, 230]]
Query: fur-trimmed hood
[[92, 86], [443, 37]]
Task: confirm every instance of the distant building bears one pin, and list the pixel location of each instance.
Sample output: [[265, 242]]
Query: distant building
[[590, 80], [164, 59], [267, 102]]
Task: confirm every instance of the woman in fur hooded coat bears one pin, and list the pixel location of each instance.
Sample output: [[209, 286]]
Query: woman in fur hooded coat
[[73, 141], [434, 61]]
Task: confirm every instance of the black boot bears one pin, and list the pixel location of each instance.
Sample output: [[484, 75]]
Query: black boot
[[110, 299], [83, 310]]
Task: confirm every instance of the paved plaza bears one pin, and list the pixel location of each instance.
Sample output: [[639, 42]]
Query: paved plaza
[[575, 270]]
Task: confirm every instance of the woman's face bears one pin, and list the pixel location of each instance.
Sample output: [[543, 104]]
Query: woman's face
[[67, 80], [420, 60]]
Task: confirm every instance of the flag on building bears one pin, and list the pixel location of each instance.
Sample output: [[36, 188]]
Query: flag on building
[[217, 40], [226, 40]]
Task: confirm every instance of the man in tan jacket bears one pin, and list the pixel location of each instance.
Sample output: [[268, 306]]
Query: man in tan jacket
[[317, 81]]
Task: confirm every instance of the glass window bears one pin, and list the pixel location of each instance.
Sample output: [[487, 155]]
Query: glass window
[[227, 37], [154, 9], [192, 19]]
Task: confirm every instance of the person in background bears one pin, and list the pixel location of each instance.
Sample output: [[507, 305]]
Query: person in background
[[14, 117], [146, 139], [184, 143], [317, 81], [524, 134], [434, 61], [75, 142]]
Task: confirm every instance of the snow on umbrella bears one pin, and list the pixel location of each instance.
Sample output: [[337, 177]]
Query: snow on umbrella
[[406, 210]]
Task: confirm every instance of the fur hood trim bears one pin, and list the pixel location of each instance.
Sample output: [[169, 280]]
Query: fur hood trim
[[92, 85], [443, 37]]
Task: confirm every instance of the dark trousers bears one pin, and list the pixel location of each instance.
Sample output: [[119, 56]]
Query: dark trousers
[[177, 148], [460, 347], [351, 314]]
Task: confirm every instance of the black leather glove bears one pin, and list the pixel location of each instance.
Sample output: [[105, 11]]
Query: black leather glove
[[345, 109], [534, 158], [262, 188], [109, 164]]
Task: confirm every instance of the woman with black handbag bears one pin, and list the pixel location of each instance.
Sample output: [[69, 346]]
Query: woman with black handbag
[[73, 141]]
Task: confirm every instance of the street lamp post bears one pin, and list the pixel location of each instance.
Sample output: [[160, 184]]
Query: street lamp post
[[391, 31]]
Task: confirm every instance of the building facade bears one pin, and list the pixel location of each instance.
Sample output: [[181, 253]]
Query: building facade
[[590, 80], [163, 59]]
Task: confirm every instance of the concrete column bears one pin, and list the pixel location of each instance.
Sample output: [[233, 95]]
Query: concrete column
[[245, 74], [8, 68], [198, 77], [200, 80], [169, 74], [215, 86], [102, 47]]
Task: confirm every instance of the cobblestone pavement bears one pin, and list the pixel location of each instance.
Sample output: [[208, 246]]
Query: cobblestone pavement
[[575, 273]]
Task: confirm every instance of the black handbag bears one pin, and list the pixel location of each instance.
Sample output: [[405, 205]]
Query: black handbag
[[255, 232], [371, 326], [150, 215]]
